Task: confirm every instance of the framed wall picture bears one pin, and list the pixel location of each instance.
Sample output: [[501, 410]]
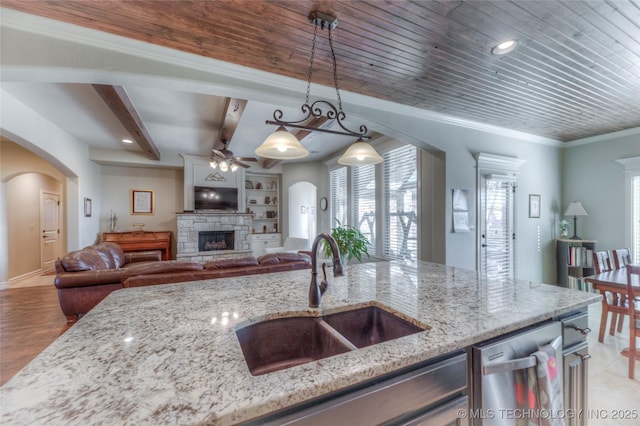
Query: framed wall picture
[[87, 207], [142, 201], [534, 206]]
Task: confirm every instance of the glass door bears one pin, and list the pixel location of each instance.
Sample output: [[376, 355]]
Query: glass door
[[497, 227]]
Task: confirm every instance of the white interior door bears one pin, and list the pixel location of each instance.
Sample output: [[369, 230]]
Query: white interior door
[[302, 210], [497, 227], [49, 223]]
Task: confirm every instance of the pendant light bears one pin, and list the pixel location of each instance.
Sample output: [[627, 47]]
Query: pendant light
[[282, 145], [359, 153]]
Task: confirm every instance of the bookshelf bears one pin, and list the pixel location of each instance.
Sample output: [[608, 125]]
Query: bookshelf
[[575, 261], [263, 202]]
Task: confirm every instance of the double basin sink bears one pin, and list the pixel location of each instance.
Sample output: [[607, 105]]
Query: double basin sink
[[281, 343]]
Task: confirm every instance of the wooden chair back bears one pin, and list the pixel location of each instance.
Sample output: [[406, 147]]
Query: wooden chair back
[[601, 261], [621, 258], [633, 298]]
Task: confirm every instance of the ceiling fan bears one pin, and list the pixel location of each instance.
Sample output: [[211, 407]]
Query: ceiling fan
[[226, 160]]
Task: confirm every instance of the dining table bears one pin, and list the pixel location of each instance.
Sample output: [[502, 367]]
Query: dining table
[[615, 283]]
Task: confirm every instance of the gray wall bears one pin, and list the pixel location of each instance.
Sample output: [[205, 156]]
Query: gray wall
[[592, 176]]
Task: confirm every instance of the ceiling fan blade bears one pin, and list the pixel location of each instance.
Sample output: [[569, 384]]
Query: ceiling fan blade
[[246, 158], [219, 153], [238, 163]]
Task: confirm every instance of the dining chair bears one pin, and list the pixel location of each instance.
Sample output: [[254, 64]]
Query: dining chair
[[601, 261], [612, 302], [621, 258], [633, 291]]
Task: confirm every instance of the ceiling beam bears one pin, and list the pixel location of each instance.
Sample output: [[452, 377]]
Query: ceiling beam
[[270, 163], [233, 109], [120, 104]]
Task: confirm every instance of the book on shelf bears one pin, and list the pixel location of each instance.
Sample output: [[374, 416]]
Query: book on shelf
[[579, 283], [580, 256]]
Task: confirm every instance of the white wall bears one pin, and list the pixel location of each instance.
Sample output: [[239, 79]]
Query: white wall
[[592, 176], [117, 182], [315, 173]]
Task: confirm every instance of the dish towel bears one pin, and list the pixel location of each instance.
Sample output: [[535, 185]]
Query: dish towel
[[549, 384], [538, 391]]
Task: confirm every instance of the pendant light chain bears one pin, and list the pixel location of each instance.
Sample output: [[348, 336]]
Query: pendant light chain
[[313, 54], [335, 71]]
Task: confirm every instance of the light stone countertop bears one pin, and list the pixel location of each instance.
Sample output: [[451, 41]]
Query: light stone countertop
[[168, 354]]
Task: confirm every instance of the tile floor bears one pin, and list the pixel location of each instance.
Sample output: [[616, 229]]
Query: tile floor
[[610, 390]]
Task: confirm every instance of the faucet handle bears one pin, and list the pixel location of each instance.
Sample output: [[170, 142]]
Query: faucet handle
[[324, 283]]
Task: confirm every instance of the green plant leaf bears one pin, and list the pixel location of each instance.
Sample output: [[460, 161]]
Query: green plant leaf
[[351, 242]]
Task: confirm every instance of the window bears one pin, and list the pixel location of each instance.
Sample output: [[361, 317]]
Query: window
[[632, 205], [338, 188], [363, 200], [401, 203]]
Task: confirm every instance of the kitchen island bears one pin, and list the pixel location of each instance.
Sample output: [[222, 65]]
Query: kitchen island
[[168, 354]]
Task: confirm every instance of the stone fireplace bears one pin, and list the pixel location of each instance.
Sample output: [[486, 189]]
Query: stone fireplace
[[207, 236]]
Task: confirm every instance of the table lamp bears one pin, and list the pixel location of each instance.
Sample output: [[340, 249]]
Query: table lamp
[[575, 209]]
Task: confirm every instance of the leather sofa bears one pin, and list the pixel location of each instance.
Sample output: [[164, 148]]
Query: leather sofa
[[85, 277], [226, 268]]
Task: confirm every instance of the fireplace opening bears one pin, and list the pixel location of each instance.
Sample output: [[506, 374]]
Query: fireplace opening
[[216, 240]]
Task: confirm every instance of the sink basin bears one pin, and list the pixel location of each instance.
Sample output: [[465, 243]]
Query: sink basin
[[368, 326], [281, 343], [285, 342]]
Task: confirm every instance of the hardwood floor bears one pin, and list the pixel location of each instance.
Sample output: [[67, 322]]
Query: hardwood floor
[[30, 320]]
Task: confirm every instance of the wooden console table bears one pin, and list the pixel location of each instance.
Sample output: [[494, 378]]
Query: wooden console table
[[141, 240]]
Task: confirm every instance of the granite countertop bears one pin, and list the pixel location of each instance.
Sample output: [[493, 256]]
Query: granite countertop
[[168, 354]]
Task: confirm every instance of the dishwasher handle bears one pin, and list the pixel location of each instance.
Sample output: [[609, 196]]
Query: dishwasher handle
[[519, 363]]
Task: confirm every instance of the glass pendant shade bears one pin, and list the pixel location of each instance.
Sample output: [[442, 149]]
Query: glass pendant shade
[[358, 153], [282, 145]]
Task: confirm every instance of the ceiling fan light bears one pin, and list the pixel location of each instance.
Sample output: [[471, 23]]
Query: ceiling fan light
[[359, 153], [213, 164], [224, 166], [281, 145], [234, 167]]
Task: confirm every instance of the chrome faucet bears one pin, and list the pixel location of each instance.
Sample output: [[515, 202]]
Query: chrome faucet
[[315, 291]]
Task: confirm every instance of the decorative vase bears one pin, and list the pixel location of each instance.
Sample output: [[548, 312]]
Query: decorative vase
[[564, 233]]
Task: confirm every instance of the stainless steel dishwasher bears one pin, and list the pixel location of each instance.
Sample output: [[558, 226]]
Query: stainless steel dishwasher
[[428, 394], [494, 363]]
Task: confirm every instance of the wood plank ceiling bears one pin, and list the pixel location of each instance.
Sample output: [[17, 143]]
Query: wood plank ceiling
[[576, 72]]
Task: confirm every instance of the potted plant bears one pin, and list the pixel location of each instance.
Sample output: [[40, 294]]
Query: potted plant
[[351, 243], [564, 228]]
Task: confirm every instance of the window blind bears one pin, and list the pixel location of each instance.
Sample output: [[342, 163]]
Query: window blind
[[498, 205], [338, 196], [635, 219], [363, 193], [401, 202]]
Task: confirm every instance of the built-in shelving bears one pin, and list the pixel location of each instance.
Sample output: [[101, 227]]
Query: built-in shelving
[[575, 261], [262, 201]]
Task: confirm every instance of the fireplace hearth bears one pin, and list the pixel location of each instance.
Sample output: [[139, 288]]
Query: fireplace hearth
[[216, 240]]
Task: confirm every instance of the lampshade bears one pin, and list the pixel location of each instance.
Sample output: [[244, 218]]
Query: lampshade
[[358, 153], [282, 145], [575, 209]]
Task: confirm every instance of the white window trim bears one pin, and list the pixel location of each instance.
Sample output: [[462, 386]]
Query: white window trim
[[631, 169]]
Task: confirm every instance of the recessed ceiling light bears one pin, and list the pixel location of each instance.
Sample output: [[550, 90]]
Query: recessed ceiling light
[[504, 47], [127, 141]]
